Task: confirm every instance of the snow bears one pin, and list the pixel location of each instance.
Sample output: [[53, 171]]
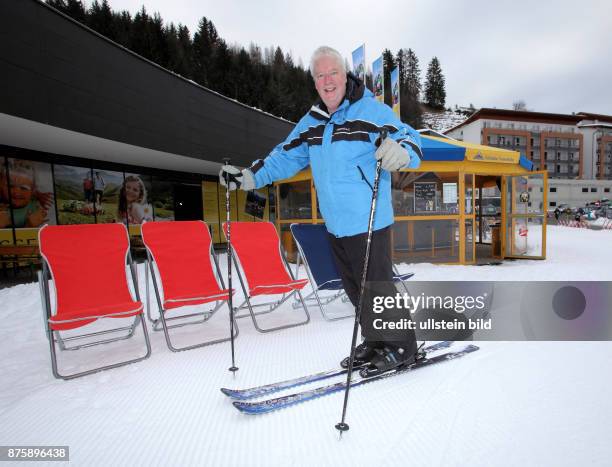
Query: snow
[[442, 121], [511, 403]]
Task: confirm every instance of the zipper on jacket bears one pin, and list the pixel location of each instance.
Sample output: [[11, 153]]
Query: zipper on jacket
[[365, 179]]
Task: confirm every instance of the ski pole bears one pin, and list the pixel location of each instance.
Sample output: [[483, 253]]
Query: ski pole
[[342, 425], [230, 301]]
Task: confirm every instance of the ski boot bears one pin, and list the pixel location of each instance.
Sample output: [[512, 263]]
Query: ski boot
[[389, 358], [363, 353]]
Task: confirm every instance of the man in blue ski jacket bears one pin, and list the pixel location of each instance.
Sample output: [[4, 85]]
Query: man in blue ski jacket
[[338, 137]]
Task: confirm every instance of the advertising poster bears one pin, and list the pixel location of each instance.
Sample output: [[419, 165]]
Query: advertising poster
[[106, 187], [378, 79], [395, 92], [26, 195], [255, 204], [163, 201], [359, 62], [6, 233], [74, 193], [134, 206]]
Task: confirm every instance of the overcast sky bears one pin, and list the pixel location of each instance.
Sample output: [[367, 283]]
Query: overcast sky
[[555, 55]]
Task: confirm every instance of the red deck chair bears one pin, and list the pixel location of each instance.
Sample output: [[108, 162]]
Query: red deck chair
[[257, 251], [87, 264], [179, 254]]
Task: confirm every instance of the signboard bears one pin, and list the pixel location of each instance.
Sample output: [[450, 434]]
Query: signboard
[[255, 204], [359, 62], [449, 193], [425, 196], [378, 80], [395, 92]]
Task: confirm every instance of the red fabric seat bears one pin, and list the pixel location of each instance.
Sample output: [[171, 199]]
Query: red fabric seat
[[256, 249], [88, 267], [257, 246], [181, 251]]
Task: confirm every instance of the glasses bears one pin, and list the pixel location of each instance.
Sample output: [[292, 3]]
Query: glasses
[[331, 74]]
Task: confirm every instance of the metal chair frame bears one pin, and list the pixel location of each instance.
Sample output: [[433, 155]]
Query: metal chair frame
[[314, 295], [273, 304], [205, 315], [55, 338]]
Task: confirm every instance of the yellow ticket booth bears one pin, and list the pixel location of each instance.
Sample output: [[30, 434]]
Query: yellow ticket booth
[[465, 204]]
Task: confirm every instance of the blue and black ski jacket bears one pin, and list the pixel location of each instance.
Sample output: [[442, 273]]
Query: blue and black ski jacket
[[340, 150]]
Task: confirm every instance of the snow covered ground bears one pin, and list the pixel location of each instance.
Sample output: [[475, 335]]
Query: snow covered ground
[[511, 403], [442, 121]]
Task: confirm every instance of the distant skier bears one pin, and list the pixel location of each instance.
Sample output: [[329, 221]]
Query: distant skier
[[337, 137]]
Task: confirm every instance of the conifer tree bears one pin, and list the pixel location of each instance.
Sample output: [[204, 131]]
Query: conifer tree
[[73, 8], [435, 92], [100, 18], [202, 51], [139, 35], [400, 62], [413, 74], [270, 80], [388, 66], [122, 25]]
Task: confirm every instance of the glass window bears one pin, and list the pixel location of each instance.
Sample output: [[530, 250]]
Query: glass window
[[422, 194], [430, 241], [26, 197], [469, 195], [524, 236], [163, 199], [288, 243], [295, 202], [134, 199], [107, 186], [75, 194], [6, 232], [469, 239]]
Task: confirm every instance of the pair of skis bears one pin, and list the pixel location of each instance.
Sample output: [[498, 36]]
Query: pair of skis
[[242, 396]]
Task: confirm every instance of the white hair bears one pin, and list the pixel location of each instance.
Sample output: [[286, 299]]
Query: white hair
[[325, 51]]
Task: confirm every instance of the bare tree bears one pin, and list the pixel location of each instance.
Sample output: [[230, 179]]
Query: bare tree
[[519, 105]]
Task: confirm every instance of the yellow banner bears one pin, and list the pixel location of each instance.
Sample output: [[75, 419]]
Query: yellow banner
[[210, 202]]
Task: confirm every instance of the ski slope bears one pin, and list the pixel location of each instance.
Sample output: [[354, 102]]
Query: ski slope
[[528, 403]]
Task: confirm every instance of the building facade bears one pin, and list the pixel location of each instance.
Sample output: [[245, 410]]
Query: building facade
[[575, 150], [91, 132]]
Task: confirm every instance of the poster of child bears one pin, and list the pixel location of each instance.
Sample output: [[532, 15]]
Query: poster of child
[[27, 190], [133, 205]]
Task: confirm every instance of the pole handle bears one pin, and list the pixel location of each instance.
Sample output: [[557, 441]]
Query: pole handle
[[382, 135]]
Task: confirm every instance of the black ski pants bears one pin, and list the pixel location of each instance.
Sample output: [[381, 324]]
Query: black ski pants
[[349, 254]]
